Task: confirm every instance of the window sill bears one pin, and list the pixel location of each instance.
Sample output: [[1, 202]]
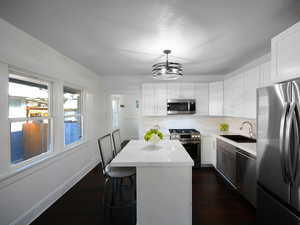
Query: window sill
[[74, 145], [19, 172]]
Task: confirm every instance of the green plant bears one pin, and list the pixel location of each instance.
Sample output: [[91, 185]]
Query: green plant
[[223, 127], [150, 132]]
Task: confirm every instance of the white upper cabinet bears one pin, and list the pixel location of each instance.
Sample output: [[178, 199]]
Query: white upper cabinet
[[216, 98], [173, 90], [233, 96], [286, 54], [201, 96], [148, 100], [155, 96], [187, 91], [160, 99], [265, 74], [251, 83], [154, 99]]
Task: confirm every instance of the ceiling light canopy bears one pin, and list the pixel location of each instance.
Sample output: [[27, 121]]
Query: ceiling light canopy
[[167, 70]]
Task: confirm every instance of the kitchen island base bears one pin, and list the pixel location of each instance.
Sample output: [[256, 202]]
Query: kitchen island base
[[164, 195]]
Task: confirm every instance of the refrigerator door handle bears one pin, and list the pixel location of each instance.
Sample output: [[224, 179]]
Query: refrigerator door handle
[[282, 142], [291, 126], [294, 158]]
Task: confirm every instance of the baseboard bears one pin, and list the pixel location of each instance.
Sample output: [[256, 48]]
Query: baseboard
[[30, 215], [206, 165]]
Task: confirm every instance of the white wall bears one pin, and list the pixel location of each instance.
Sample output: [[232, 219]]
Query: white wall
[[25, 193]]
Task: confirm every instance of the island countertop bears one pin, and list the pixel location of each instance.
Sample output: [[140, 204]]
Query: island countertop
[[138, 153]]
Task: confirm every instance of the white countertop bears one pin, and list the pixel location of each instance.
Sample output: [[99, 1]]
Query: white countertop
[[248, 147], [138, 153]]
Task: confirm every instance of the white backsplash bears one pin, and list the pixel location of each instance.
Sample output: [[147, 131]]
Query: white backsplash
[[199, 123]]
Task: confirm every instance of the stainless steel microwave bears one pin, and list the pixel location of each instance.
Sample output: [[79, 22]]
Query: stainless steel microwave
[[181, 106]]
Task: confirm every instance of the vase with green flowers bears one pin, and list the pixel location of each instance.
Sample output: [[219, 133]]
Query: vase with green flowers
[[153, 136]]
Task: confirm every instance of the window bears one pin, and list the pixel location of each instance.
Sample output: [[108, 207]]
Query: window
[[30, 118], [72, 115]]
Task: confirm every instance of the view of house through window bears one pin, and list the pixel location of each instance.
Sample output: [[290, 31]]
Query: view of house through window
[[72, 115], [30, 123]]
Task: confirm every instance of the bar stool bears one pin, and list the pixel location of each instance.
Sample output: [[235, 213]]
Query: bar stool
[[116, 136], [114, 177]]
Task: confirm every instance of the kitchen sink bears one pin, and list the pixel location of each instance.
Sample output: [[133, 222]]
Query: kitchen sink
[[240, 138]]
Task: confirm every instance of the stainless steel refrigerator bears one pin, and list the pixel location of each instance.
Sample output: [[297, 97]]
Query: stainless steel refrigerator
[[278, 157]]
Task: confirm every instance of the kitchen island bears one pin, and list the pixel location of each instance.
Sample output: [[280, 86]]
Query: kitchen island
[[164, 181]]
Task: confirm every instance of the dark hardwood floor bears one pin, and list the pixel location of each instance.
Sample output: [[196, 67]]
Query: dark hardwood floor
[[214, 203]]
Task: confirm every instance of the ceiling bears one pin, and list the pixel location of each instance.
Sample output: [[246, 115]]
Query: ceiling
[[125, 37]]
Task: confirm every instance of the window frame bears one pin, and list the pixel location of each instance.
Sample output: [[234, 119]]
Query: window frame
[[81, 115], [32, 77]]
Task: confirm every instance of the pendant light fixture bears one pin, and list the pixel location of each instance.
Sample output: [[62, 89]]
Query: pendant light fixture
[[167, 70]]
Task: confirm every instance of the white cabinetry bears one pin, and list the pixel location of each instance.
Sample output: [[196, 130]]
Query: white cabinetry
[[251, 83], [155, 96], [187, 91], [148, 100], [201, 96], [160, 99], [154, 99], [233, 96], [265, 74], [216, 98], [208, 150], [286, 54], [181, 91], [173, 90], [240, 92]]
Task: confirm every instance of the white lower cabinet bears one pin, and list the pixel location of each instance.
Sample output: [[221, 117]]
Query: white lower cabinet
[[208, 150]]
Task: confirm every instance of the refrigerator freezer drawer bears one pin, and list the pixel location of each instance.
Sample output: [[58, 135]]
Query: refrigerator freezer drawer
[[270, 211]]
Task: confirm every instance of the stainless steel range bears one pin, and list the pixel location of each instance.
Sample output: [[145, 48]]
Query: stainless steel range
[[191, 141]]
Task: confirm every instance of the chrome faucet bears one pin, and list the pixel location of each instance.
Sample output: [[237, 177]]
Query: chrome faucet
[[250, 127]]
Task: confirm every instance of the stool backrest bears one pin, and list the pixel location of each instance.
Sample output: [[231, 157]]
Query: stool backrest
[[106, 151], [116, 136]]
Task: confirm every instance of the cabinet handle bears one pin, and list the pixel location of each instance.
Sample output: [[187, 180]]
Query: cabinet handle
[[239, 152]]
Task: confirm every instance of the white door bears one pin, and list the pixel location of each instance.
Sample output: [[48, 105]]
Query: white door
[[129, 117]]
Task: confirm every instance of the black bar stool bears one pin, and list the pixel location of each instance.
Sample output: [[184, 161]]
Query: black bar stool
[[114, 187]]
